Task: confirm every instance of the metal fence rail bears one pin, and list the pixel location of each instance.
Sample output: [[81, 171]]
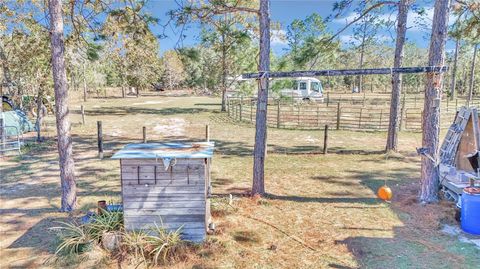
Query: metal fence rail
[[347, 114]]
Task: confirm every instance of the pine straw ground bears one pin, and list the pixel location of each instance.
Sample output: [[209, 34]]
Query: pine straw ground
[[320, 211]]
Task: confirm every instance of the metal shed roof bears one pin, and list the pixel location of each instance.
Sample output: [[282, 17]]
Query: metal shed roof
[[166, 150]]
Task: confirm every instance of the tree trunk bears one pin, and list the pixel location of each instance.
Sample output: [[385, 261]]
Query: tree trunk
[[258, 186], [224, 80], [362, 56], [123, 85], [67, 166], [84, 84], [431, 107], [224, 71], [393, 126], [454, 71], [472, 75], [40, 114]]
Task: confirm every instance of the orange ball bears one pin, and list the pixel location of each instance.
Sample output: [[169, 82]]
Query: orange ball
[[385, 193]]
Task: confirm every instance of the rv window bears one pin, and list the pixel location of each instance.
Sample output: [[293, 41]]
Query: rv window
[[315, 86], [302, 85]]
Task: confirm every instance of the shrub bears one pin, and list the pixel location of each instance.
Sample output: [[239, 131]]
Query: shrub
[[163, 243], [73, 238], [152, 246], [136, 242], [106, 222]]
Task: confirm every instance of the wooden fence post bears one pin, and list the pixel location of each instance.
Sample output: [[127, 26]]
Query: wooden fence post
[[360, 118], [251, 110], [456, 104], [318, 116], [447, 103], [82, 109], [144, 131], [241, 107], [100, 139], [298, 116], [328, 98], [278, 114], [338, 116], [381, 114], [207, 133], [402, 112], [325, 140], [228, 106], [235, 111]]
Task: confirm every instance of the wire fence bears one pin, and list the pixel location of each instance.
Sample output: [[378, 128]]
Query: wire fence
[[343, 112]]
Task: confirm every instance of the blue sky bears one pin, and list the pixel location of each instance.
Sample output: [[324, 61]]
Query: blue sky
[[284, 12]]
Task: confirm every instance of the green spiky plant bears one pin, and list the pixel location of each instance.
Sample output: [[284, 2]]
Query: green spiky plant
[[136, 242], [107, 221], [73, 238], [164, 243]]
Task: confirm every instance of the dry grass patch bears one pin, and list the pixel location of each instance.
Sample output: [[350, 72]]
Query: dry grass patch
[[321, 211]]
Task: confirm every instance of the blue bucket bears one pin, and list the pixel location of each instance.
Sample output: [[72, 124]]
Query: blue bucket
[[470, 217]]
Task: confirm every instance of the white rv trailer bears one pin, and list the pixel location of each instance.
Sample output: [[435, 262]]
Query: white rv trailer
[[305, 88]]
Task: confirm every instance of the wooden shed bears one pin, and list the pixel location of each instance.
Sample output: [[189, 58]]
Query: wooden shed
[[167, 184]]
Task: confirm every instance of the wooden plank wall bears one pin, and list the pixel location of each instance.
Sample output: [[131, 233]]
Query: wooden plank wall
[[174, 198]]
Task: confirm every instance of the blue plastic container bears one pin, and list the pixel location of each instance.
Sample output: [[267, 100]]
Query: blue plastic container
[[470, 217]]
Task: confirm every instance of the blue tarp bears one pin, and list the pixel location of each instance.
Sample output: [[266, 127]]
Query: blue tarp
[[19, 120], [166, 150]]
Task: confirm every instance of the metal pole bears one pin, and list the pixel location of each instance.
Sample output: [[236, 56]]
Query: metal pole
[[83, 114], [278, 114], [338, 116], [207, 133], [325, 140], [144, 131], [100, 139]]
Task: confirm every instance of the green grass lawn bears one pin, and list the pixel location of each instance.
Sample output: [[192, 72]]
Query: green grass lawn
[[320, 212]]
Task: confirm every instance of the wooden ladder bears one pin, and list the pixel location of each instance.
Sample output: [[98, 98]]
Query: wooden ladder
[[454, 134]]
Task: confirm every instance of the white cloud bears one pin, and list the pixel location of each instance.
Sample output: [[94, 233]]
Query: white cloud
[[420, 23], [278, 37], [348, 39], [352, 16]]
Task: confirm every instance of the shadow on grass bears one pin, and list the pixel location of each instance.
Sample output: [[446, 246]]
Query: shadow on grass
[[339, 266], [406, 251], [121, 111], [40, 236], [303, 199], [208, 104]]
